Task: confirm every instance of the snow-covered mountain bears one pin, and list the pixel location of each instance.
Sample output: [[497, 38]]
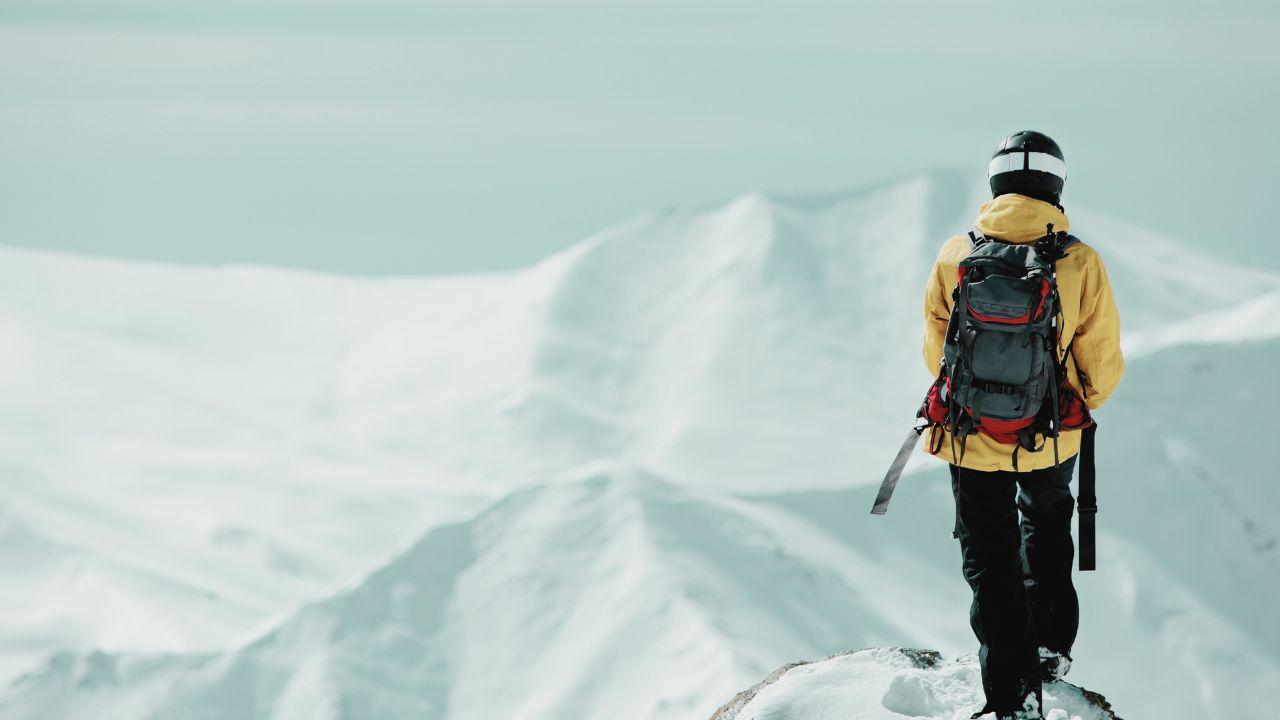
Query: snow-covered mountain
[[625, 482]]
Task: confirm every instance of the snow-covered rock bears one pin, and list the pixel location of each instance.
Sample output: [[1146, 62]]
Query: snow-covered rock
[[886, 683]]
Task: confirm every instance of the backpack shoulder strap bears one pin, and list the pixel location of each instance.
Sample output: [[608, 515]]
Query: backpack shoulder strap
[[1054, 245]]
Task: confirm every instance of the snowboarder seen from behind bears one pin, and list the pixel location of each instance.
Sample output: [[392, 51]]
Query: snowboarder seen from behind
[[1023, 334]]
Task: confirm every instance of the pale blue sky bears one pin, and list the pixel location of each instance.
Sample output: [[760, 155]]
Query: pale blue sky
[[397, 137]]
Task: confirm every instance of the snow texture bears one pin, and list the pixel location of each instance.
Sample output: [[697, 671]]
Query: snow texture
[[885, 683], [625, 483]]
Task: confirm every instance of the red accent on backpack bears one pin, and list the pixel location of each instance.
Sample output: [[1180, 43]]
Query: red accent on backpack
[[1004, 431], [1073, 414], [1021, 319], [935, 408]]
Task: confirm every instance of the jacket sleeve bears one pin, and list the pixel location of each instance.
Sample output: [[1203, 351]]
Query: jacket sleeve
[[937, 311], [1096, 346]]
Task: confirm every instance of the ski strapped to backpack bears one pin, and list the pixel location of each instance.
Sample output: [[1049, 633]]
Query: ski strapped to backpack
[[1001, 373]]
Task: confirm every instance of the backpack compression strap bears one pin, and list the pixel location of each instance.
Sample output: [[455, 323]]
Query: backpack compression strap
[[1087, 502]]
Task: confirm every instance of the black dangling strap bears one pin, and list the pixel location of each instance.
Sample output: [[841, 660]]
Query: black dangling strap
[[1027, 439], [1065, 354], [1054, 400], [955, 491], [1087, 502]]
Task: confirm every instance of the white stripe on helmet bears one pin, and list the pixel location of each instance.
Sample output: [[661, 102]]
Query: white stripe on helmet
[[1044, 162]]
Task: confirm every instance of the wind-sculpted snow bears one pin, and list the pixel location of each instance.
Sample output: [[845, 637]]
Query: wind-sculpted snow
[[255, 492]]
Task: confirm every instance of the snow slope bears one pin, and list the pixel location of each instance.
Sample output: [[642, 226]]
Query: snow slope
[[559, 601], [214, 478]]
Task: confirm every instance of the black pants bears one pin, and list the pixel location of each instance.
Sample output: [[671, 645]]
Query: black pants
[[1020, 573]]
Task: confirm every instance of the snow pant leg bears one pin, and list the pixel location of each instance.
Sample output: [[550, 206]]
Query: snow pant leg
[[1044, 498], [987, 521]]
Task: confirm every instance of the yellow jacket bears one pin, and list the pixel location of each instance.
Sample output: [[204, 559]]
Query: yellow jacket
[[1090, 322]]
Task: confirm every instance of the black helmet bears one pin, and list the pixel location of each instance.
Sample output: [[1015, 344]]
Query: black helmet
[[1028, 163]]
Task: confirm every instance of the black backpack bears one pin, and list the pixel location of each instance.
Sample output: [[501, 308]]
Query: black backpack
[[1001, 372]]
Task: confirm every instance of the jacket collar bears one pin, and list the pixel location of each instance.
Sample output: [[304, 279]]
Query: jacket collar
[[1019, 219]]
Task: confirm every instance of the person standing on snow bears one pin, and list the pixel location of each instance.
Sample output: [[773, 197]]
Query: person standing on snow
[[1025, 612]]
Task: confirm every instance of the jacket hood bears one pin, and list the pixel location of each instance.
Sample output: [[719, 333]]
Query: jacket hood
[[1019, 219]]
